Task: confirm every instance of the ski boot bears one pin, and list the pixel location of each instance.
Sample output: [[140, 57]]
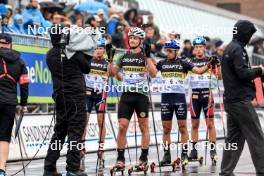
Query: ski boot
[[76, 173], [166, 160], [48, 173], [2, 173], [193, 155], [213, 156], [118, 167], [184, 161]]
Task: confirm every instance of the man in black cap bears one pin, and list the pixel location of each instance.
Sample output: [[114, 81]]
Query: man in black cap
[[242, 120], [12, 72]]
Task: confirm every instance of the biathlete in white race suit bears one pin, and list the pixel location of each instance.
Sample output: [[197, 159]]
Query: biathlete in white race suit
[[96, 81], [174, 70], [134, 98], [201, 86]]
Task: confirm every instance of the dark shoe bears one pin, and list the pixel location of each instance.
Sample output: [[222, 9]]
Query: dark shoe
[[76, 173], [194, 154], [49, 173], [166, 158]]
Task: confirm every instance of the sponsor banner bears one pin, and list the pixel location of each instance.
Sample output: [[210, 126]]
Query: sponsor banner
[[35, 128]]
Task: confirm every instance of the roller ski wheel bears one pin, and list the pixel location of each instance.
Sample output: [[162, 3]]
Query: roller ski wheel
[[176, 165], [184, 162], [152, 167], [141, 167], [119, 167]]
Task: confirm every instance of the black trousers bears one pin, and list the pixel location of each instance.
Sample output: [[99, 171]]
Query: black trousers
[[243, 125], [70, 122]]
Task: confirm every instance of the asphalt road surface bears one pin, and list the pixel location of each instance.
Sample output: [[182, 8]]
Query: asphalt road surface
[[244, 167]]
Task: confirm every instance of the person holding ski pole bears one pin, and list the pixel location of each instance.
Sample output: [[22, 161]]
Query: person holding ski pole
[[242, 120], [174, 70], [136, 68], [13, 71], [201, 86], [96, 81]]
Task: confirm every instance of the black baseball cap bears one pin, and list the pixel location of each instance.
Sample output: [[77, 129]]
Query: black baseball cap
[[6, 38]]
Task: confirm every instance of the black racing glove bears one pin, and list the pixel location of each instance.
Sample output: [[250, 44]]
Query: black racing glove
[[147, 50], [214, 61], [108, 48]]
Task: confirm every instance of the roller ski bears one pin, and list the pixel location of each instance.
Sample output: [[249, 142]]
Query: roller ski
[[141, 167], [166, 162], [184, 161], [193, 157], [118, 167], [214, 157]]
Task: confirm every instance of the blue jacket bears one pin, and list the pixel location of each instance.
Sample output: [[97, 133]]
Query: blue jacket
[[16, 27]]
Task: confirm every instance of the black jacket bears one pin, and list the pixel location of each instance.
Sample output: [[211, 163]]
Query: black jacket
[[237, 75], [71, 82], [15, 72]]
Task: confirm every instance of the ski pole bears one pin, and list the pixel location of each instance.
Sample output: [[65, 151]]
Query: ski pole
[[153, 121], [135, 131], [220, 103], [207, 115]]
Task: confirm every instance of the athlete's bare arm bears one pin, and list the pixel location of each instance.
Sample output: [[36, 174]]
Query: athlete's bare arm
[[113, 69], [200, 70], [151, 67]]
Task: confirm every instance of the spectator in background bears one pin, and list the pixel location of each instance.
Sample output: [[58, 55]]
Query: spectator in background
[[149, 40], [118, 36], [219, 48], [56, 19], [259, 48], [100, 14], [151, 23], [113, 21], [187, 49], [79, 23], [131, 17], [47, 14], [174, 35], [94, 22], [18, 25], [208, 46], [77, 15], [159, 47], [33, 17], [139, 22]]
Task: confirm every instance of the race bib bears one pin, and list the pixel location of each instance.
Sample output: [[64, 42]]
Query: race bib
[[201, 81], [96, 80], [173, 82]]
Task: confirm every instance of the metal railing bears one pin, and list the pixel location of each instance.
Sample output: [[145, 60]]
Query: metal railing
[[30, 40], [257, 59]]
